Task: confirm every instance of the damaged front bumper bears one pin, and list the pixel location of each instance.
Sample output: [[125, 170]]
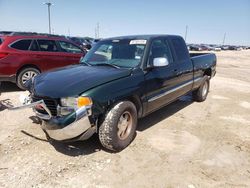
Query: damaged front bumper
[[74, 126]]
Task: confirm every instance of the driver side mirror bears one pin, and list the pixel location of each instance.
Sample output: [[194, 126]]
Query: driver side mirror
[[160, 62]]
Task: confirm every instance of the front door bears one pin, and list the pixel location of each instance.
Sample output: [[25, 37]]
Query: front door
[[160, 80]]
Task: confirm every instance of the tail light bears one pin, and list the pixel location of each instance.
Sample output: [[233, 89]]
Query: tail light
[[2, 55]]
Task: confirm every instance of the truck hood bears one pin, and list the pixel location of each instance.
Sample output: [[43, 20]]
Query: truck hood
[[74, 80]]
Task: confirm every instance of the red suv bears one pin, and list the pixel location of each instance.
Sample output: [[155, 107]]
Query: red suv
[[24, 56]]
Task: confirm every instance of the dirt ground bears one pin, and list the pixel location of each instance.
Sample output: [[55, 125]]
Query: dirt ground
[[185, 144]]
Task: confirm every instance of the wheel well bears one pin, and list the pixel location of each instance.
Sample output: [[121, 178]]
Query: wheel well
[[27, 66], [137, 103], [208, 72], [134, 99]]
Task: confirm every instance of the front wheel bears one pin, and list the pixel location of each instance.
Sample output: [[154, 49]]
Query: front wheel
[[201, 93], [118, 128], [25, 75]]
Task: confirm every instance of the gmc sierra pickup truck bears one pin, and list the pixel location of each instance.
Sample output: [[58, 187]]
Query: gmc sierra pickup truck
[[119, 81]]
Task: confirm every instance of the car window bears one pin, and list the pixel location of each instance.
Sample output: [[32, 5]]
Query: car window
[[122, 53], [180, 49], [1, 41], [34, 46], [47, 45], [159, 48], [21, 44], [68, 47], [125, 51]]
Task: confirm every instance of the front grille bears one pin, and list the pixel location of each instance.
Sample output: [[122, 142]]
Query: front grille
[[50, 103]]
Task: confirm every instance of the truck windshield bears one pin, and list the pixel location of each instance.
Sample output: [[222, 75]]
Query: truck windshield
[[121, 53]]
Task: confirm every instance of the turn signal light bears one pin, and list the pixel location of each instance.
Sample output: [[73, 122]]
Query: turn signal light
[[83, 101]]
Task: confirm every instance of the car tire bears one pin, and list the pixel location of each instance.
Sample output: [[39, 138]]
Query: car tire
[[24, 75], [201, 93], [118, 128]]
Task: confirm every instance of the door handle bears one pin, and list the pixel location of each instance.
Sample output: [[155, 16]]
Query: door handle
[[175, 71]]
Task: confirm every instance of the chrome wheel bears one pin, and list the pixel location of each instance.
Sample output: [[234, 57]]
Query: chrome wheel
[[28, 75], [205, 89], [125, 125]]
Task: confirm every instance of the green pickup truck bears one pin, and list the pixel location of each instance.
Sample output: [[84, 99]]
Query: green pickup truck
[[119, 81]]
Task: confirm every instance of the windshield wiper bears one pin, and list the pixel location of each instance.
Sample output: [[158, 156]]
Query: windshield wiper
[[106, 64], [85, 62]]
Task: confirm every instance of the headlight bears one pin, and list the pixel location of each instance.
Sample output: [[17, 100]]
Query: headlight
[[77, 102]]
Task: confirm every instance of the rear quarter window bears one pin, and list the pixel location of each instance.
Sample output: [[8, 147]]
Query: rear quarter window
[[180, 49], [68, 47], [21, 45]]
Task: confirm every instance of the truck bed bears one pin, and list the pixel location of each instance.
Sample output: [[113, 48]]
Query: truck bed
[[203, 61]]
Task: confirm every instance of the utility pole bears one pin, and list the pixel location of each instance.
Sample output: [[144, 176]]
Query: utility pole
[[49, 5], [69, 32], [224, 39], [186, 33], [97, 30]]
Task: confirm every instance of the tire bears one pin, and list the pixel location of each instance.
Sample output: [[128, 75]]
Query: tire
[[24, 75], [201, 93], [118, 128]]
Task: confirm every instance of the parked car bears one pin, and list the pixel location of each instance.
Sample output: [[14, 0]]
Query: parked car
[[84, 43], [195, 48], [111, 89], [225, 47], [24, 56], [236, 48]]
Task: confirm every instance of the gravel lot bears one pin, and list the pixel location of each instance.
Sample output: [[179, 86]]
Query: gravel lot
[[185, 144]]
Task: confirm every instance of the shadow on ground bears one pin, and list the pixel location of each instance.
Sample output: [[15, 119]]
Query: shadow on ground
[[86, 147], [164, 113], [8, 87], [5, 104]]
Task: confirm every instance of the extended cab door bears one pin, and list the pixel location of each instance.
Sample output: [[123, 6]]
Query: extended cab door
[[160, 81], [184, 65]]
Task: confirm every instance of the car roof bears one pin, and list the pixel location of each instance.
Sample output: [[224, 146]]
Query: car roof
[[142, 37], [34, 37]]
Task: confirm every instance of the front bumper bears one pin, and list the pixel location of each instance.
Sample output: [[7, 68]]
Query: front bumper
[[69, 127]]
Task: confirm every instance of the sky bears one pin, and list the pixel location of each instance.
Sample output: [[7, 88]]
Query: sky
[[207, 21]]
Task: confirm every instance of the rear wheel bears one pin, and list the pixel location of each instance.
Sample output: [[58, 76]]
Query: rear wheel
[[25, 75], [118, 128], [201, 93]]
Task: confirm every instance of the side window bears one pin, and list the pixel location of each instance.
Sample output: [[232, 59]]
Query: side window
[[159, 48], [1, 41], [47, 45], [68, 47], [180, 49], [34, 46], [21, 44]]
